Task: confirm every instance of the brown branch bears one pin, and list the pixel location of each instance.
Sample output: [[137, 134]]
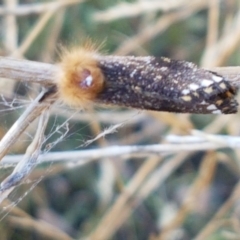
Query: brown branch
[[45, 74], [125, 9], [160, 25], [37, 8], [27, 71], [216, 54], [29, 115]]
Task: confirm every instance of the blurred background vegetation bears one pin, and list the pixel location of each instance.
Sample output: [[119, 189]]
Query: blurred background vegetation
[[181, 195]]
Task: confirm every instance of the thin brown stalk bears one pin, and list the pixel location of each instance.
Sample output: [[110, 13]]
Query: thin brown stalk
[[125, 9], [159, 26], [225, 46], [45, 74], [200, 184], [37, 8], [46, 230], [212, 225], [213, 18], [31, 113]]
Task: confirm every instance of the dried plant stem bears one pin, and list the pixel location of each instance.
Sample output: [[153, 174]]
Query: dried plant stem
[[123, 201], [213, 17], [29, 161], [11, 30], [45, 74], [200, 184], [34, 110], [177, 144], [46, 230], [10, 40], [223, 210], [217, 54], [124, 9], [159, 26], [126, 151], [37, 8], [135, 193], [27, 71], [33, 34], [37, 29]]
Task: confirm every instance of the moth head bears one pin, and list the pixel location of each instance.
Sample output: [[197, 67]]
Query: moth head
[[81, 79]]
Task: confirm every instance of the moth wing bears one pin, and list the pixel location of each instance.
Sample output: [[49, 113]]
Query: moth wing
[[163, 84]]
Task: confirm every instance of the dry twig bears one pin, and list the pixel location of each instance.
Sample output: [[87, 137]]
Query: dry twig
[[29, 161], [124, 9], [36, 8], [160, 25]]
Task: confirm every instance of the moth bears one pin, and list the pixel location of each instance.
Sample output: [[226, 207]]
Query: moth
[[150, 83]]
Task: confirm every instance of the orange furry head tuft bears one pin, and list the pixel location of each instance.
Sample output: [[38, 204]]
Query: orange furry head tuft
[[80, 80]]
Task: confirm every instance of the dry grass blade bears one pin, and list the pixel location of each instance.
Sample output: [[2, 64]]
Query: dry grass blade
[[179, 144], [11, 30], [31, 113], [46, 230], [134, 194], [28, 71], [29, 161], [212, 225], [112, 219], [36, 8], [159, 26], [45, 74], [217, 54], [125, 9], [37, 29], [200, 184]]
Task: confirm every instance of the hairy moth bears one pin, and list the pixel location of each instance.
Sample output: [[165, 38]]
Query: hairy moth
[[150, 83]]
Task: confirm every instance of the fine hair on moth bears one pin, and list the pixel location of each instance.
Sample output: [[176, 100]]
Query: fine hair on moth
[[150, 83]]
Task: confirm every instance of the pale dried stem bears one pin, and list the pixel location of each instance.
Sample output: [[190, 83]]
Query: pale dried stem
[[159, 26], [159, 176], [11, 29], [119, 151], [219, 123], [45, 74], [29, 161], [124, 9], [212, 225], [37, 29], [28, 71], [46, 230], [118, 209], [129, 200], [50, 48], [218, 53], [31, 113], [200, 184], [107, 168], [199, 141], [10, 40], [213, 19], [37, 8]]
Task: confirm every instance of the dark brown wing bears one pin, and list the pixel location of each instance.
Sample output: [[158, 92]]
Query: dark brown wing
[[163, 84]]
